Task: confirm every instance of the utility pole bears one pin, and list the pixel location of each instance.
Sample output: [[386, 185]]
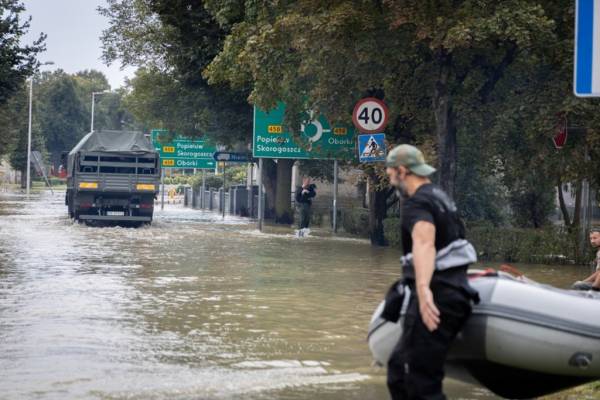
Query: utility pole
[[29, 136], [93, 106], [29, 129]]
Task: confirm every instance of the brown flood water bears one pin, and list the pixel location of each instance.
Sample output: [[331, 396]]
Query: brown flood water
[[192, 307]]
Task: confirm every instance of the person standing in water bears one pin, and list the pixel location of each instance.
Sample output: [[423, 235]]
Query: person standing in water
[[592, 282], [435, 261], [304, 196]]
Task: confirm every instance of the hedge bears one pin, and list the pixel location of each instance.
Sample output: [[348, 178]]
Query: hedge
[[355, 221], [507, 244]]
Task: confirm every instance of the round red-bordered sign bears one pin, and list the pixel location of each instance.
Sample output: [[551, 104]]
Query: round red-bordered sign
[[370, 115]]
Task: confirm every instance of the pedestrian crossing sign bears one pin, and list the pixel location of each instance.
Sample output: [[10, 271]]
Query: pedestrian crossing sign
[[371, 148]]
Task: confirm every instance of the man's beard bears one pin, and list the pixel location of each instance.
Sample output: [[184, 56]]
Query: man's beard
[[401, 191]]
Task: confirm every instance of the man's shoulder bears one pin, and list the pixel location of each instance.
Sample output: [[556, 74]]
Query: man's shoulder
[[423, 195]]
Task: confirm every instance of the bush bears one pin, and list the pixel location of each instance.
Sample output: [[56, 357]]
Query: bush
[[507, 244], [546, 245], [212, 181], [391, 231], [57, 181], [356, 221]]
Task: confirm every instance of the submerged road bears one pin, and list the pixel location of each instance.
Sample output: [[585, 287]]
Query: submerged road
[[191, 307]]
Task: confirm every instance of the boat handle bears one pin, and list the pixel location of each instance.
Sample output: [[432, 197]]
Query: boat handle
[[580, 360]]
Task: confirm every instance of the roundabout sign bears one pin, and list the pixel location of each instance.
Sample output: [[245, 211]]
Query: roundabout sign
[[318, 137]]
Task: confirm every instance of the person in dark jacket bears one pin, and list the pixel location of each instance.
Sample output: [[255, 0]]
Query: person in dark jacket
[[304, 196], [436, 257]]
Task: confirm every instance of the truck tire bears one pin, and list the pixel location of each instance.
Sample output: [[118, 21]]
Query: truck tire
[[70, 207]]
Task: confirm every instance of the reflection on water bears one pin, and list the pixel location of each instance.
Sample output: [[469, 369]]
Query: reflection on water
[[192, 307]]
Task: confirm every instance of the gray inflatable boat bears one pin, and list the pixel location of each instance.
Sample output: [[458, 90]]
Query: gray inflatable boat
[[523, 339]]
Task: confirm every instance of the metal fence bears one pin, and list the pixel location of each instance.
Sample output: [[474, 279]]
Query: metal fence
[[237, 200]]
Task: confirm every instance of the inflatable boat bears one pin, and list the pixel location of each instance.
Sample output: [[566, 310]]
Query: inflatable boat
[[523, 339]]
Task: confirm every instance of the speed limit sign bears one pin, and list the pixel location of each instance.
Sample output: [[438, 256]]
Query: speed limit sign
[[370, 115]]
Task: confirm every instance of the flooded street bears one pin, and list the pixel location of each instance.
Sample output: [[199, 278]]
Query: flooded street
[[192, 307]]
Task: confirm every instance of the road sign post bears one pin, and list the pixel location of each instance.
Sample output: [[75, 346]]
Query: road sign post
[[224, 182], [335, 194], [162, 184], [249, 187], [203, 189], [587, 48], [261, 205]]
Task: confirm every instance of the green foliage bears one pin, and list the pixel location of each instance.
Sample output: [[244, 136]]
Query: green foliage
[[355, 221], [17, 61], [319, 169], [481, 85], [503, 244], [548, 245], [174, 41], [392, 232], [60, 113], [235, 175]]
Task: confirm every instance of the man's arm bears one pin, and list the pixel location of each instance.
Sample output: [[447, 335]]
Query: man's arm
[[423, 237]]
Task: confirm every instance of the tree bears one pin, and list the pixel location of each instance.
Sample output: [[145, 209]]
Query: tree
[[17, 62], [17, 110], [61, 116], [439, 66], [172, 42]]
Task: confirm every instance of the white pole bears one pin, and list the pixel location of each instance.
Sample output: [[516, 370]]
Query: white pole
[[249, 187], [162, 197], [260, 194], [203, 188], [29, 136], [92, 119], [335, 194]]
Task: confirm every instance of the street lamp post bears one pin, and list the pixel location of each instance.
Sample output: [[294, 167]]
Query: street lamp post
[[29, 136], [29, 129], [93, 104]]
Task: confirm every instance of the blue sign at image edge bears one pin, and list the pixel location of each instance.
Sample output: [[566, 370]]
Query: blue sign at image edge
[[584, 49]]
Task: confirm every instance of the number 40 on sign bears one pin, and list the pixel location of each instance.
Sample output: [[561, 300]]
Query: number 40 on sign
[[370, 115]]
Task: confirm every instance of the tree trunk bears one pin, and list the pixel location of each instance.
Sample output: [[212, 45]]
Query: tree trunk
[[577, 212], [445, 125], [24, 179], [377, 213], [563, 206], [270, 182], [283, 197]]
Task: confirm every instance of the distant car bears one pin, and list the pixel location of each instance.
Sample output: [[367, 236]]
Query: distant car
[[114, 177]]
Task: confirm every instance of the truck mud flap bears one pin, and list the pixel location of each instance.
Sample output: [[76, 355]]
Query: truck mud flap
[[116, 218]]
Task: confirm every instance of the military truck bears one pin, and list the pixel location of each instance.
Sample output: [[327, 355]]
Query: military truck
[[113, 177]]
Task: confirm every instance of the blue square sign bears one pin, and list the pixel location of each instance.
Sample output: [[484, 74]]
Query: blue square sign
[[587, 48], [371, 148]]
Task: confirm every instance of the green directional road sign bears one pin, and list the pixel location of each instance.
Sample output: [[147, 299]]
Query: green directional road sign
[[183, 152], [318, 139]]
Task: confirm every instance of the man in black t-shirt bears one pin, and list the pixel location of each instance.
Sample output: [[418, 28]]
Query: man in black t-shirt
[[435, 261]]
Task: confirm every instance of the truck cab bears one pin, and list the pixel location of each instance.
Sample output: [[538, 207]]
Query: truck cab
[[113, 177]]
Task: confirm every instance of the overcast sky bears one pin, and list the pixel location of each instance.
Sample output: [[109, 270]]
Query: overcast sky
[[73, 28]]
